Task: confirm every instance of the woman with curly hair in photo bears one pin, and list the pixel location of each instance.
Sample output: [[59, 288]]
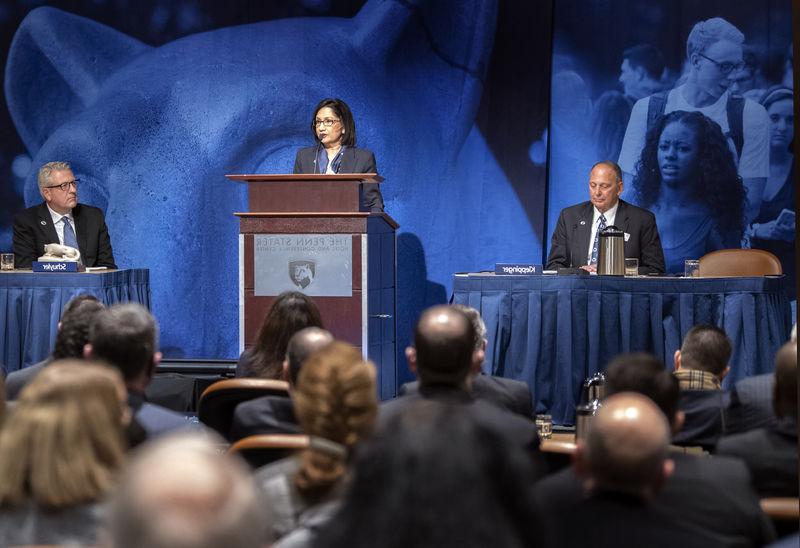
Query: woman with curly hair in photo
[[687, 177]]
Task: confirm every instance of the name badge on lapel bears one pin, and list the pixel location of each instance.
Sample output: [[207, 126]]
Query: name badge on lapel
[[627, 236]]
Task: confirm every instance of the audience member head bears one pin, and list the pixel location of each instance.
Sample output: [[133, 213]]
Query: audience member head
[[778, 101], [302, 344], [444, 347], [785, 398], [645, 374], [181, 492], [434, 476], [626, 449], [73, 328], [126, 336], [480, 335], [336, 404], [63, 442], [705, 348], [291, 312]]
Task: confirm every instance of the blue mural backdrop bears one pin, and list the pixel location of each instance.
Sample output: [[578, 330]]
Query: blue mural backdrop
[[729, 183], [154, 102]]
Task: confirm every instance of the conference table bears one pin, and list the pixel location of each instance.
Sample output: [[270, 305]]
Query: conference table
[[31, 305], [555, 331]]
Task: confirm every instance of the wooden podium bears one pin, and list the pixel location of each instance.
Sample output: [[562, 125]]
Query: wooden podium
[[308, 233]]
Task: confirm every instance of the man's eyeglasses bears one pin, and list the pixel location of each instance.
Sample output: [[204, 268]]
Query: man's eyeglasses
[[327, 122], [725, 68], [65, 186]]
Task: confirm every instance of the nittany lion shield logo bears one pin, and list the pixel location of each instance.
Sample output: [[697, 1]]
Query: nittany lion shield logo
[[302, 273]]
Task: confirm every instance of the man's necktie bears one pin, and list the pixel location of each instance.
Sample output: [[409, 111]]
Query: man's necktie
[[69, 234], [600, 229]]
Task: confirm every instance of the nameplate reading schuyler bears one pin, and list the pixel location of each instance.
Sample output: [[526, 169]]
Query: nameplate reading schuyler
[[319, 265]]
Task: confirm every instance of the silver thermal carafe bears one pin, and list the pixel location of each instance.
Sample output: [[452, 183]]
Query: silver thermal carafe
[[611, 252], [591, 396]]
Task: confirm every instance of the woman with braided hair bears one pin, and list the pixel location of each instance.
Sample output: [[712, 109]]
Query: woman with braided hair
[[687, 177], [336, 405]]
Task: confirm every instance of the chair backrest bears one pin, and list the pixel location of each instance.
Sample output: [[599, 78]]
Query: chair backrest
[[219, 400], [266, 448], [781, 508], [739, 262]]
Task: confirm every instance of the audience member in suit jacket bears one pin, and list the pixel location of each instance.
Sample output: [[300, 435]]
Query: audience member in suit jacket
[[43, 224], [444, 357], [508, 394], [574, 236], [125, 336], [700, 366], [620, 468], [771, 452], [750, 405], [275, 414], [711, 496], [72, 336]]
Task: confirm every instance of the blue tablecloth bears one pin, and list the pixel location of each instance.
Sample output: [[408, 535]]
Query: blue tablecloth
[[554, 331], [31, 305]]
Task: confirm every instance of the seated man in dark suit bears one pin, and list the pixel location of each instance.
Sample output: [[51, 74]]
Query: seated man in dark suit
[[442, 357], [700, 365], [771, 453], [576, 236], [126, 337], [711, 495], [73, 334], [508, 394], [60, 219], [275, 414], [751, 402], [622, 465]]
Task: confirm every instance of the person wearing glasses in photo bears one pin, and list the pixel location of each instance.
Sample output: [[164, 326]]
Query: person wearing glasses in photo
[[714, 57], [335, 151], [61, 219]]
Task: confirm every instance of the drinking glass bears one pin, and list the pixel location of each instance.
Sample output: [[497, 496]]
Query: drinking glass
[[632, 267], [691, 268], [6, 261]]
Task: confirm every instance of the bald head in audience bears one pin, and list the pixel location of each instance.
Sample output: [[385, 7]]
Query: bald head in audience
[[182, 492], [785, 396], [444, 347], [626, 448], [302, 344]]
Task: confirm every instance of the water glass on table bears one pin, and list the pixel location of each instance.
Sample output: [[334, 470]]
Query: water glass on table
[[6, 261], [691, 268], [632, 267]]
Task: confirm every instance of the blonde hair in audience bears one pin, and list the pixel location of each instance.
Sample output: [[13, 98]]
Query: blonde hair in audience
[[63, 442], [335, 399]]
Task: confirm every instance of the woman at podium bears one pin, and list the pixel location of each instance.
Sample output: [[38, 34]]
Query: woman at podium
[[334, 131]]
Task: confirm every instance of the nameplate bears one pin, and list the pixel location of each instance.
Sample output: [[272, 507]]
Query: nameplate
[[58, 266], [516, 269]]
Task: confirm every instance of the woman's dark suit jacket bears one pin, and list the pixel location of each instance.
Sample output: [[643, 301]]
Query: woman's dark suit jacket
[[354, 160]]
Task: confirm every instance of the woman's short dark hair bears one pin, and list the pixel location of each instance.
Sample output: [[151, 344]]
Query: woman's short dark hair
[[715, 180], [342, 111], [291, 312]]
